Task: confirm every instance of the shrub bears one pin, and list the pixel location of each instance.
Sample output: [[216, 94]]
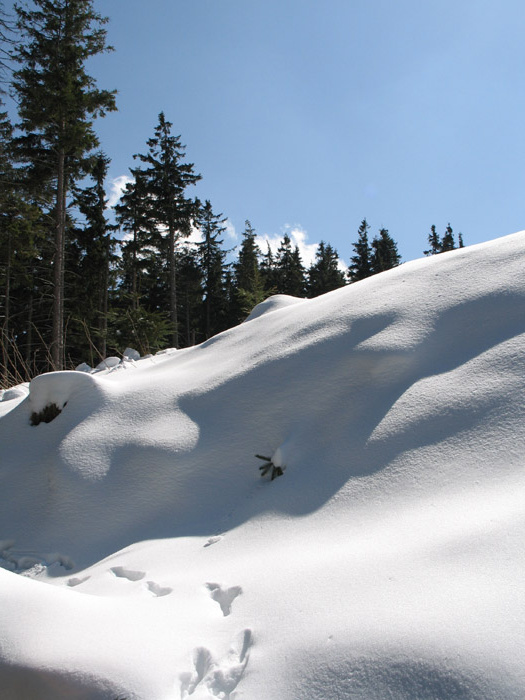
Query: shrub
[[46, 415]]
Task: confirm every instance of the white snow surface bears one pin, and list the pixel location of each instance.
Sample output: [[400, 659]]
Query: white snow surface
[[145, 558]]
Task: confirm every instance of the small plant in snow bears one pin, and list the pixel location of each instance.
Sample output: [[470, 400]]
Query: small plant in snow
[[46, 415], [269, 466]]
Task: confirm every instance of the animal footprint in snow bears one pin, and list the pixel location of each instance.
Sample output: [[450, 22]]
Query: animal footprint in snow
[[211, 679], [158, 590], [224, 596], [121, 572]]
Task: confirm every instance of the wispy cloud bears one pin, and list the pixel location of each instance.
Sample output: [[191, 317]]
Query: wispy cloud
[[116, 188], [231, 233], [298, 237]]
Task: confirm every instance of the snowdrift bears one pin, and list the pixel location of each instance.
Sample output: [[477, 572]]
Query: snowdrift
[[144, 557]]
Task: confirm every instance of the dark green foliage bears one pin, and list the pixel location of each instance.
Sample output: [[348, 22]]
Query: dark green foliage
[[247, 265], [385, 255], [324, 274], [447, 242], [212, 266], [144, 330], [23, 291], [442, 245], [57, 102], [189, 297], [250, 289], [434, 242], [269, 467], [289, 273], [132, 214], [6, 40], [92, 249], [268, 271], [361, 262], [46, 415], [165, 205]]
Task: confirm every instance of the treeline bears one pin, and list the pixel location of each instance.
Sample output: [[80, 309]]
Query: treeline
[[78, 281]]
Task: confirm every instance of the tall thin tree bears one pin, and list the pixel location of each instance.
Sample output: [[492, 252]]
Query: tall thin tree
[[361, 262], [95, 245], [166, 178], [211, 258], [57, 102]]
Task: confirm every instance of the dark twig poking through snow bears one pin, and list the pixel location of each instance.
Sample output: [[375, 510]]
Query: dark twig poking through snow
[[269, 465]]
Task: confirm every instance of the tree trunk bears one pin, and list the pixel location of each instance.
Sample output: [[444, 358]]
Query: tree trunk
[[57, 339], [5, 326], [173, 288], [104, 309], [134, 281]]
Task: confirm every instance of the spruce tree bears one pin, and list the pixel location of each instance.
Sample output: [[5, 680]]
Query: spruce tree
[[19, 238], [289, 270], [94, 247], [133, 216], [211, 261], [166, 178], [324, 274], [189, 297], [447, 242], [268, 270], [6, 40], [361, 262], [434, 242], [249, 282], [57, 102], [385, 255]]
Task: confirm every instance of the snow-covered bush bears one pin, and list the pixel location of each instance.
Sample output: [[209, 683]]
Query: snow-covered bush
[[46, 415]]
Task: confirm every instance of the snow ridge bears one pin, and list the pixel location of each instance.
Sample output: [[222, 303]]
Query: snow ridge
[[385, 563]]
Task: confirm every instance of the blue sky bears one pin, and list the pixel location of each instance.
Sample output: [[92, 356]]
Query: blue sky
[[310, 115]]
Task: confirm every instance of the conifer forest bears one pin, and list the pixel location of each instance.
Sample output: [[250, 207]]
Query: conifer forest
[[79, 280]]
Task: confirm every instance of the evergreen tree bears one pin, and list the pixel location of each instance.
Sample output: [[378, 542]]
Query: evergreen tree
[[385, 255], [324, 274], [94, 248], [460, 241], [249, 282], [447, 242], [434, 242], [6, 40], [289, 270], [57, 102], [166, 178], [19, 237], [189, 297], [268, 270], [133, 216], [212, 266], [361, 262]]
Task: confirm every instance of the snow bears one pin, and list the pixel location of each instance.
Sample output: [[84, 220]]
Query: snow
[[144, 557]]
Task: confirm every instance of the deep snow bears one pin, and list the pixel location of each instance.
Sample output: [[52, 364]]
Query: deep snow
[[145, 558]]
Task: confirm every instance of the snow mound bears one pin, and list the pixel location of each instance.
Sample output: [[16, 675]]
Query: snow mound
[[17, 392], [386, 561], [58, 388], [273, 303]]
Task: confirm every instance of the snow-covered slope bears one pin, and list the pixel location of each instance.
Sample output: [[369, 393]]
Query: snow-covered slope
[[386, 563]]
